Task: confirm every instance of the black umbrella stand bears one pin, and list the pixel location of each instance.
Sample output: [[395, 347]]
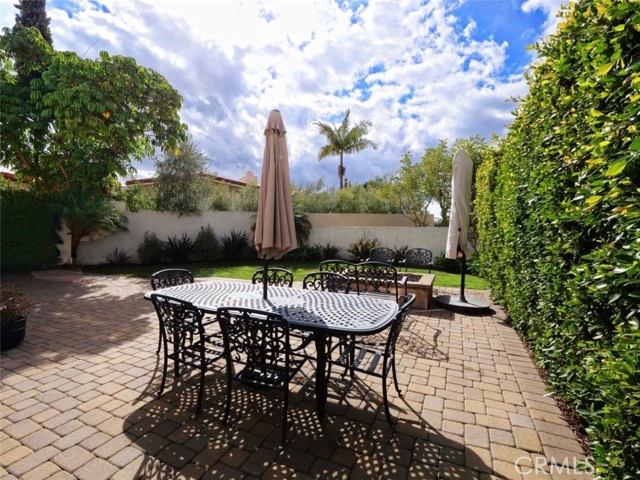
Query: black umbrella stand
[[461, 303]]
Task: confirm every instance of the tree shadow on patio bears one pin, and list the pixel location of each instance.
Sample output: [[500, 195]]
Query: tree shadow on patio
[[82, 316]]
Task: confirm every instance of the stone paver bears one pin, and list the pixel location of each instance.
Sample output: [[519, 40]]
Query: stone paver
[[78, 400]]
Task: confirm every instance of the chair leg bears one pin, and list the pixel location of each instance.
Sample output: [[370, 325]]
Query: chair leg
[[227, 408], [203, 369], [395, 376], [386, 400], [352, 355], [159, 339], [165, 365], [285, 409]]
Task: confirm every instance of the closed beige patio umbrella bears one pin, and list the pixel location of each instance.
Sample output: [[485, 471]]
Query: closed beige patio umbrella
[[275, 230], [458, 246]]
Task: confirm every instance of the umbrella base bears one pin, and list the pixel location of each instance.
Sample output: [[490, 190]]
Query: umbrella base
[[469, 305]]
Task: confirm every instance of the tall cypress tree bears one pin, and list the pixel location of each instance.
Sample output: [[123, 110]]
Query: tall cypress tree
[[32, 13]]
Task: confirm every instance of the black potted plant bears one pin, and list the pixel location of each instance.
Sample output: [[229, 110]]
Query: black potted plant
[[13, 316]]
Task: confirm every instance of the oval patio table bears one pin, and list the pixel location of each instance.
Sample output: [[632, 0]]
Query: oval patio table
[[325, 314]]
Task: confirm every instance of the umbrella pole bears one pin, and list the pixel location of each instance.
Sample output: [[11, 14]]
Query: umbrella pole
[[463, 268], [265, 278]]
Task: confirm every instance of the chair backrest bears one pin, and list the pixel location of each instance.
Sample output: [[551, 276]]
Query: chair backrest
[[259, 341], [170, 277], [179, 319], [418, 258], [405, 304], [280, 277], [377, 277], [343, 267], [382, 254], [327, 281]]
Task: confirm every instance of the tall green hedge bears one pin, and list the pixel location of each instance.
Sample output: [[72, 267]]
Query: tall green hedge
[[28, 225], [558, 211]]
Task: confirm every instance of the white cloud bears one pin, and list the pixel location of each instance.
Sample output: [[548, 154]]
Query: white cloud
[[409, 66], [550, 9]]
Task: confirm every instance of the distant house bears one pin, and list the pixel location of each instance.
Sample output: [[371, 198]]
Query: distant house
[[11, 177], [233, 185]]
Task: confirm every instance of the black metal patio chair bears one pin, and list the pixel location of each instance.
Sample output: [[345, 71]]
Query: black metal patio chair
[[418, 258], [280, 277], [327, 281], [380, 279], [343, 267], [383, 255], [258, 353], [169, 277], [184, 340], [357, 355]]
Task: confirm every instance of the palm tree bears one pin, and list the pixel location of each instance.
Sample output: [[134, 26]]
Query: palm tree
[[342, 139], [85, 213]]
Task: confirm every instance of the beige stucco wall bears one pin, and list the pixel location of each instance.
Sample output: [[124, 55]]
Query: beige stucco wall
[[433, 238], [361, 219], [337, 229]]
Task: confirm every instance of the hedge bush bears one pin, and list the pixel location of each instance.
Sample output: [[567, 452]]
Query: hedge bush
[[29, 224], [558, 211]]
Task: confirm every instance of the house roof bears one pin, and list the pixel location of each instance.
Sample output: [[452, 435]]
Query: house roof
[[151, 181]]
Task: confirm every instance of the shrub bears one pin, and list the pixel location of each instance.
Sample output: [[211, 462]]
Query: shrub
[[118, 257], [558, 212], [220, 199], [29, 225], [400, 253], [303, 227], [150, 250], [445, 264], [178, 249], [206, 246], [303, 253], [361, 248], [13, 304], [328, 251], [248, 199], [235, 245]]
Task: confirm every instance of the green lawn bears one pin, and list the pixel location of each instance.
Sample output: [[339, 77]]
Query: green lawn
[[245, 271]]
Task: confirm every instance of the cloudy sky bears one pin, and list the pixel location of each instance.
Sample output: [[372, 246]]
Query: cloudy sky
[[419, 70]]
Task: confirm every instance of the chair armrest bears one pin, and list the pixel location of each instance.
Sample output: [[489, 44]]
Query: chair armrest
[[404, 283]]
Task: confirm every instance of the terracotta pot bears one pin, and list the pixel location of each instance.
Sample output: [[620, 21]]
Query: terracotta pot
[[13, 334]]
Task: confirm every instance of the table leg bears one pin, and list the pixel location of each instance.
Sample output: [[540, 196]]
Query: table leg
[[321, 372]]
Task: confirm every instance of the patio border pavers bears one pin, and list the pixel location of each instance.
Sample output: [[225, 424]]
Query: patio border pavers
[[78, 400]]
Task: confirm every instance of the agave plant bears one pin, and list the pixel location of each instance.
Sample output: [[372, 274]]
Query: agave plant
[[118, 257], [178, 249], [235, 244], [362, 247], [328, 251]]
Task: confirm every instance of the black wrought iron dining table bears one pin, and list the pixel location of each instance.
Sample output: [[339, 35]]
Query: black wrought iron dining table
[[326, 314]]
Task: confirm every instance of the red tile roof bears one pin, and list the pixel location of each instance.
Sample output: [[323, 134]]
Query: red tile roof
[[214, 177]]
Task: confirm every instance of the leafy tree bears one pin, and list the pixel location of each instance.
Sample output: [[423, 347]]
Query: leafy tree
[[135, 197], [408, 189], [369, 197], [77, 121], [181, 187], [248, 198], [85, 213], [344, 139], [32, 13], [435, 166]]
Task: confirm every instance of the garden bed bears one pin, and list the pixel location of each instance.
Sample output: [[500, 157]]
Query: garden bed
[[421, 284]]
